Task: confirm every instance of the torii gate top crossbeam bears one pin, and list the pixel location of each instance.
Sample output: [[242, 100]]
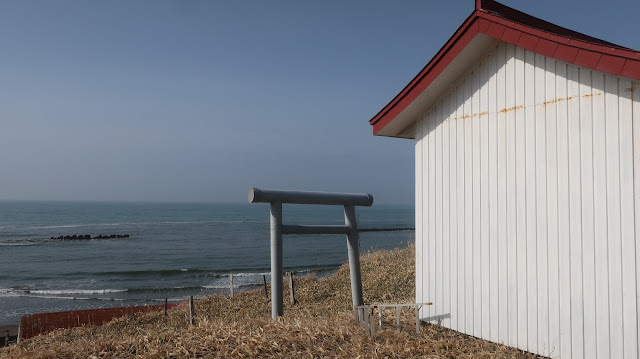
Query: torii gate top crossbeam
[[257, 195]]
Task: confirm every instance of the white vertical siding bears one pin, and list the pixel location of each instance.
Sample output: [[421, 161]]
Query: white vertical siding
[[635, 93], [585, 110], [530, 198], [445, 288], [575, 217], [502, 270], [468, 208], [419, 217], [563, 238], [614, 243], [521, 208], [528, 207], [629, 309], [460, 218], [510, 219], [551, 129]]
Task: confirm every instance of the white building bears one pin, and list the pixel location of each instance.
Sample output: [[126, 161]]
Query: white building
[[527, 149]]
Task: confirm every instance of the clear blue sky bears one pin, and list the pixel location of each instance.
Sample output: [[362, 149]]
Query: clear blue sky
[[200, 100]]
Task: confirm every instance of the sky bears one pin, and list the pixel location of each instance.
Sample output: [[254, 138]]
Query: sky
[[197, 101]]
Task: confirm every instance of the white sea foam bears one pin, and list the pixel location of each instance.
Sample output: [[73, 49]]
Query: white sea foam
[[72, 298], [77, 291], [215, 286], [250, 274], [20, 243], [240, 280], [57, 293], [7, 292], [59, 226]]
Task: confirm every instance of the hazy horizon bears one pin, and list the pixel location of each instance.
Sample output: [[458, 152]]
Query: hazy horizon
[[88, 201]]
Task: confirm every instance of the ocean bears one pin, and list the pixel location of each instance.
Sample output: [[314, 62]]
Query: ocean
[[172, 251]]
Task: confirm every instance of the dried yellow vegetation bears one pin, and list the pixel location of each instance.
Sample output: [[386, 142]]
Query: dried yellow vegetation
[[321, 324]]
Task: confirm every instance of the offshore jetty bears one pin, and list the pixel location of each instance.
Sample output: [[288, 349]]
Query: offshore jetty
[[76, 237]]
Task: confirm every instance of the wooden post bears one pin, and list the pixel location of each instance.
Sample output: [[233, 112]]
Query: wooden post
[[192, 311], [231, 284], [398, 318], [293, 298], [264, 280], [19, 335], [417, 320], [372, 325], [366, 321], [165, 309]]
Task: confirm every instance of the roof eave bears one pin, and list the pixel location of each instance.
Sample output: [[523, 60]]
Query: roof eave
[[428, 85]]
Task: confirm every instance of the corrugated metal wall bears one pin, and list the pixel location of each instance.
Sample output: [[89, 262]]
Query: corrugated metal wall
[[528, 207]]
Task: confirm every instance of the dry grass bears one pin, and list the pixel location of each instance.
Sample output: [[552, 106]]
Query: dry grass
[[320, 325]]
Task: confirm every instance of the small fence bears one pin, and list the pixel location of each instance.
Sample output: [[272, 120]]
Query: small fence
[[36, 324], [367, 319], [42, 323]]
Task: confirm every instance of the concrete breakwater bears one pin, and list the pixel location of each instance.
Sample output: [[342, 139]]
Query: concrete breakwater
[[76, 237]]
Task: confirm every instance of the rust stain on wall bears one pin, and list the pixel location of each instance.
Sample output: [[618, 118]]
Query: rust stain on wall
[[520, 107], [555, 100], [511, 108], [472, 115]]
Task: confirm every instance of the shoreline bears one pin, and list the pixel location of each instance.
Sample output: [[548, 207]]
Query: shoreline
[[319, 324], [104, 302]]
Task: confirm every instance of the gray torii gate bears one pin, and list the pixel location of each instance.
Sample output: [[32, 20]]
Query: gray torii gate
[[349, 200]]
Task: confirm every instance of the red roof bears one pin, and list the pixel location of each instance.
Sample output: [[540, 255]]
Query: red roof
[[517, 28]]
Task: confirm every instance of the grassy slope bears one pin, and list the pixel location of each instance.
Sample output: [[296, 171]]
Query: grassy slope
[[319, 325]]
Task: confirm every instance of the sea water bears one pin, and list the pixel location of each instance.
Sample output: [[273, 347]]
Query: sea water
[[172, 250]]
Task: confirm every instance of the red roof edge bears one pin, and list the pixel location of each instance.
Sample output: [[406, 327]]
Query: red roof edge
[[515, 27], [496, 8]]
